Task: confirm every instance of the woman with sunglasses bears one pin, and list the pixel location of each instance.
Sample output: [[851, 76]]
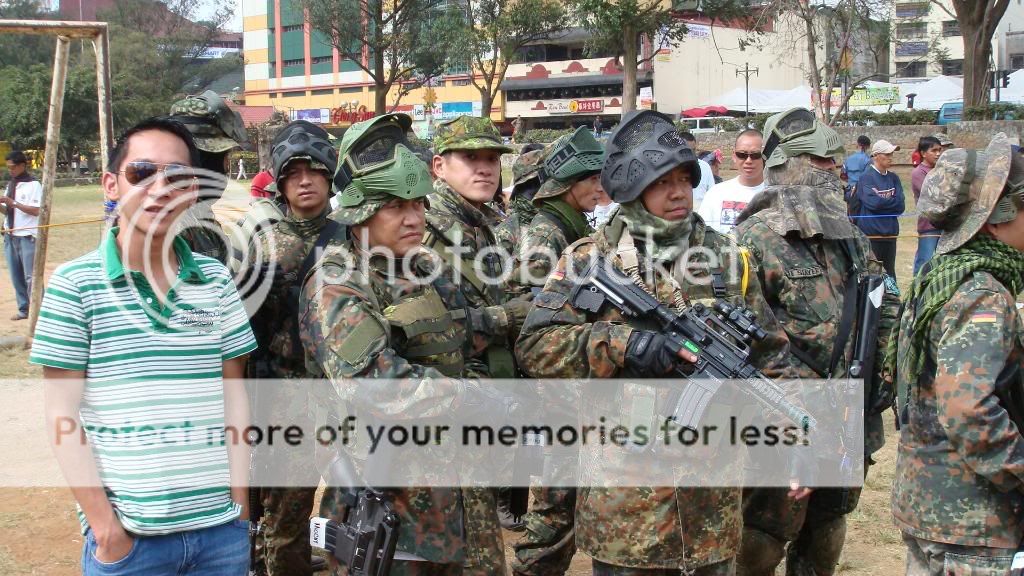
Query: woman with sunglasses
[[724, 202], [959, 484], [807, 255]]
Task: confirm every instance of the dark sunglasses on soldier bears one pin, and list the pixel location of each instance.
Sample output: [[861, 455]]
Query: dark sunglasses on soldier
[[141, 172], [744, 155]]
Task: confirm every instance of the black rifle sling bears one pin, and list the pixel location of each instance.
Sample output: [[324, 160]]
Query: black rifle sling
[[849, 306], [331, 227]]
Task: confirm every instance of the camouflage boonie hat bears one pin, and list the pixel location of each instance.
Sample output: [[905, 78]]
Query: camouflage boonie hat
[[468, 133], [943, 139], [526, 167], [961, 191], [215, 127]]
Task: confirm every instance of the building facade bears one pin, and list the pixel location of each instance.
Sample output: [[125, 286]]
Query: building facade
[[294, 68], [926, 41]]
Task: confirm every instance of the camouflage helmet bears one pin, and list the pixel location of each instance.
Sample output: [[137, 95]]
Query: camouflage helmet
[[376, 166], [215, 127], [526, 167], [568, 160], [302, 140], [961, 192], [795, 132], [468, 133]]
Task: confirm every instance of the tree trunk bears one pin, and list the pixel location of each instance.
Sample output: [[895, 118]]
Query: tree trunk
[[976, 55], [814, 74], [486, 101], [629, 57], [380, 99]]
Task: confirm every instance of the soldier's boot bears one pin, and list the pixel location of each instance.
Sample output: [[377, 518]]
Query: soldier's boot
[[547, 546], [508, 521], [816, 550], [760, 553]]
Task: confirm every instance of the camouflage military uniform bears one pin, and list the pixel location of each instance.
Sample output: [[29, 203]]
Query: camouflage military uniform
[[642, 529], [520, 207], [795, 231], [438, 524], [958, 492], [216, 130]]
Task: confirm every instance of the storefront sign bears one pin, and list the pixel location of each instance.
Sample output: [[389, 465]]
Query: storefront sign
[[349, 115], [586, 106], [314, 115], [447, 110]]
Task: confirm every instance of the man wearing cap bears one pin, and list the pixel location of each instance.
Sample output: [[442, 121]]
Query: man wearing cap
[[656, 239], [856, 163], [217, 130], [390, 337], [461, 230], [958, 490], [304, 161], [571, 174], [877, 202], [807, 254], [525, 184]]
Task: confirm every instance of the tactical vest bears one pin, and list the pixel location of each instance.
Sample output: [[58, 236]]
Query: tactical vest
[[424, 332], [441, 239]]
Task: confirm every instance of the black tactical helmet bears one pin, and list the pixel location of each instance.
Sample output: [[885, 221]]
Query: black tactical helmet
[[302, 138], [644, 147]]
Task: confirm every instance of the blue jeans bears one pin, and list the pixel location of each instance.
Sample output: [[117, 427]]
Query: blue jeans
[[20, 252], [217, 551], [925, 249]]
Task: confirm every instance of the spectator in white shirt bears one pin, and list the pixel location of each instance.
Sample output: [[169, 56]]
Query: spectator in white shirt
[[724, 202], [20, 210], [707, 177]]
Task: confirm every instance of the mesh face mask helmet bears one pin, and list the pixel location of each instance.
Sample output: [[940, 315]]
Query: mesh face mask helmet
[[302, 139], [578, 156], [643, 148], [795, 132], [376, 159]]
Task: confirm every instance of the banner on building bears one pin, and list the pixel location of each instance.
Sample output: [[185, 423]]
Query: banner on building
[[864, 96], [447, 110], [314, 115]]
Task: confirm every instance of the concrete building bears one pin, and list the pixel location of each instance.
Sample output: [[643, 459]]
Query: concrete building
[[294, 68], [1008, 41], [926, 41]]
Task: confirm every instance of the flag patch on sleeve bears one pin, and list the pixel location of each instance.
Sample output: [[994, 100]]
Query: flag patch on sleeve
[[983, 318]]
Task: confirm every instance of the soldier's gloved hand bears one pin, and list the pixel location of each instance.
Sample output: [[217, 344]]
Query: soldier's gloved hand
[[648, 355]]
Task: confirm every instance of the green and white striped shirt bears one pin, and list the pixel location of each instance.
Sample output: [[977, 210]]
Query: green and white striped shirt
[[153, 404]]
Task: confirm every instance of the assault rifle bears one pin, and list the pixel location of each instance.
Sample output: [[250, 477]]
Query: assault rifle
[[720, 337], [366, 538]]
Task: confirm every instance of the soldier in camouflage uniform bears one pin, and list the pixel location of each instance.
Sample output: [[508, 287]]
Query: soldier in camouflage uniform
[[304, 162], [657, 240], [217, 130], [461, 228], [958, 493], [806, 253], [525, 184], [388, 324], [570, 170]]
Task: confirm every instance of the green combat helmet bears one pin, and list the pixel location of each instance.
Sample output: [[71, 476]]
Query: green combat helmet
[[215, 127], [794, 132], [468, 133], [376, 165], [568, 160]]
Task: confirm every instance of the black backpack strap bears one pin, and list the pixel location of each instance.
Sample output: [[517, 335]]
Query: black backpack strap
[[849, 305]]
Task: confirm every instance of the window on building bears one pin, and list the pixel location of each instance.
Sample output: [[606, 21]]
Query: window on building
[[952, 67], [914, 10], [458, 69], [1016, 61], [296, 62], [910, 30], [461, 82], [951, 28], [912, 69], [322, 60], [291, 28], [296, 94]]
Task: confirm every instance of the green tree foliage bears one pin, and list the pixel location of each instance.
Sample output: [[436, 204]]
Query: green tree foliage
[[21, 49], [406, 41], [494, 30]]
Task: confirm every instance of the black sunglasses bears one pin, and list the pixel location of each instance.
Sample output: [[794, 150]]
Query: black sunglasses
[[177, 175], [745, 155]]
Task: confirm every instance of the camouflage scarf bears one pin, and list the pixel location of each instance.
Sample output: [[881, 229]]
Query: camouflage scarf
[[671, 238], [572, 218], [932, 290], [307, 228], [452, 202], [801, 198]]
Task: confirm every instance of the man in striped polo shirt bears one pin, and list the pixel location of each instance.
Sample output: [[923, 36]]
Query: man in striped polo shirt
[[143, 345]]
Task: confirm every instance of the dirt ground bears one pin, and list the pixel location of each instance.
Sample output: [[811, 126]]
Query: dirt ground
[[39, 531]]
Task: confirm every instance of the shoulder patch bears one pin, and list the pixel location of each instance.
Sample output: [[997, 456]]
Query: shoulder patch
[[983, 318]]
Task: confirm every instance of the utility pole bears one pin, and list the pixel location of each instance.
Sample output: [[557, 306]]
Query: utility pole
[[746, 72]]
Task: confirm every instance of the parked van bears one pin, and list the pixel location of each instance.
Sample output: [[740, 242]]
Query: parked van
[[950, 112], [699, 125]]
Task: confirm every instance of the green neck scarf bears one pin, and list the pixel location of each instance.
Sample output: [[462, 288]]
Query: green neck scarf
[[307, 228], [561, 209], [931, 291], [671, 238]]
